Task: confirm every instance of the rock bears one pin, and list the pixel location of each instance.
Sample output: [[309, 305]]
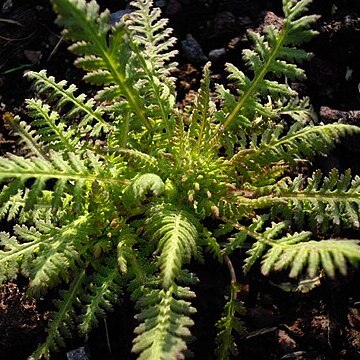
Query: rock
[[33, 56], [192, 49], [160, 3], [349, 73], [77, 354], [244, 20], [116, 16], [297, 355], [354, 318], [329, 115], [274, 20], [286, 343], [224, 21], [216, 53]]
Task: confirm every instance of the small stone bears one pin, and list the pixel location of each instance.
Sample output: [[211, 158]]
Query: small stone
[[116, 16], [77, 354], [297, 355], [224, 21], [192, 49], [349, 73], [216, 53], [286, 343], [354, 318], [244, 20], [33, 56], [160, 3], [273, 20]]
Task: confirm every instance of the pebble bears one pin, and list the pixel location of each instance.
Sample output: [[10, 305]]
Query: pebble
[[33, 56], [160, 3], [295, 355], [116, 16], [349, 73], [224, 21], [216, 53], [77, 354], [286, 343], [192, 49]]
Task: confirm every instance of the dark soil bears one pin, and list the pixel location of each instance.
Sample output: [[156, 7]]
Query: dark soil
[[321, 324]]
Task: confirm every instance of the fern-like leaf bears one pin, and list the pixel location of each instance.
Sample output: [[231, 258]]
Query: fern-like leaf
[[150, 33], [299, 109], [62, 321], [29, 138], [141, 187], [103, 291], [43, 210], [202, 119], [151, 41], [140, 161], [63, 95], [176, 234], [59, 253], [272, 54], [226, 345], [165, 319], [300, 142], [52, 130], [329, 255], [75, 168], [259, 247], [12, 251], [100, 53], [50, 252], [298, 252], [324, 199]]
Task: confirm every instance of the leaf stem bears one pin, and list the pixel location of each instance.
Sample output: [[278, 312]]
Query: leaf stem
[[231, 268]]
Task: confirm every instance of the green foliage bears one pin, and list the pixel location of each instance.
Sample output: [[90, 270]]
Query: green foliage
[[273, 145], [229, 322], [121, 191], [297, 252], [324, 200], [61, 322], [176, 235], [103, 289], [329, 254], [165, 319], [140, 187], [61, 98]]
